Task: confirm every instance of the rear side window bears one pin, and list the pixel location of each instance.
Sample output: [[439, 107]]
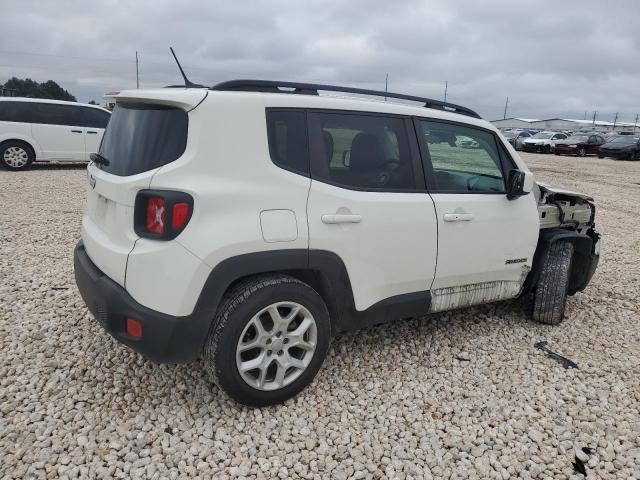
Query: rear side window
[[463, 159], [363, 152], [288, 145], [55, 114], [95, 118], [142, 137], [16, 111]]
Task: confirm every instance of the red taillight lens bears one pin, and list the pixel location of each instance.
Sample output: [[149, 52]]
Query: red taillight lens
[[134, 328], [180, 214], [155, 215]]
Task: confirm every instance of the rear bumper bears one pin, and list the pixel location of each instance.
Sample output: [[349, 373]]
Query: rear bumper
[[165, 338]]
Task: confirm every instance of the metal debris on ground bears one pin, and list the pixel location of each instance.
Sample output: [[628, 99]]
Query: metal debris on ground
[[564, 361]]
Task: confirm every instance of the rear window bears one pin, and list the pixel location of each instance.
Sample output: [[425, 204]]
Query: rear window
[[141, 137], [15, 112]]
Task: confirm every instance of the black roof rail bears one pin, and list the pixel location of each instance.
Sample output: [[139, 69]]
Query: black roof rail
[[271, 86]]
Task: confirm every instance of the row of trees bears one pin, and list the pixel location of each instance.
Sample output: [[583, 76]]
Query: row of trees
[[32, 89]]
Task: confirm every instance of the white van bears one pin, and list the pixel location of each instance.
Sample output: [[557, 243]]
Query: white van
[[33, 129]]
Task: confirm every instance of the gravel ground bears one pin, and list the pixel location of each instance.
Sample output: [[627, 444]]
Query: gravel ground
[[455, 395]]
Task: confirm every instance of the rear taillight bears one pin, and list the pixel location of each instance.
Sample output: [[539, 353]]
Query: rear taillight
[[180, 215], [162, 214], [155, 215]]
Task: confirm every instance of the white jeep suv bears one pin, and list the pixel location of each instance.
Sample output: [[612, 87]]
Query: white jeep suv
[[249, 222]]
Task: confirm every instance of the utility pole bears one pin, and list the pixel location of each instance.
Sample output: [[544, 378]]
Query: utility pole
[[505, 108], [635, 124], [585, 115], [615, 120], [386, 85], [137, 73], [595, 112], [446, 85]]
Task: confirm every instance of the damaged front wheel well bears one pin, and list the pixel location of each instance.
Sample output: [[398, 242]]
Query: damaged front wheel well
[[583, 261]]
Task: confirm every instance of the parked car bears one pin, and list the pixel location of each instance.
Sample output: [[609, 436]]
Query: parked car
[[517, 138], [578, 144], [37, 130], [541, 141], [624, 147], [276, 220]]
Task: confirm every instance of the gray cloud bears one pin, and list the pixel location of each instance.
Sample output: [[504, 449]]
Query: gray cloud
[[550, 58]]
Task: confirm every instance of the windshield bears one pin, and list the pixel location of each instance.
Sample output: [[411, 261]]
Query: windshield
[[509, 134], [543, 135], [578, 138], [141, 137]]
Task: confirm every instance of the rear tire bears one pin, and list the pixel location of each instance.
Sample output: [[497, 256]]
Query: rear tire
[[550, 294], [600, 156], [252, 327], [16, 155], [546, 149], [582, 152]]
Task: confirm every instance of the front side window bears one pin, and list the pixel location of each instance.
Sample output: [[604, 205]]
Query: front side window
[[95, 118], [464, 159], [288, 145], [16, 111], [364, 152]]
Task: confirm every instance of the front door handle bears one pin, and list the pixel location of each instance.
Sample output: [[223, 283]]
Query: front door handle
[[76, 131], [334, 218], [457, 217], [91, 131]]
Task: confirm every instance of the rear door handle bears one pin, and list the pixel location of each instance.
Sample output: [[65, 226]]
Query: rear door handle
[[91, 131], [333, 218], [76, 131], [457, 217]]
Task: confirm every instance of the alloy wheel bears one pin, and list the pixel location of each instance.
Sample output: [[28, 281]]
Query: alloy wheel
[[276, 346], [16, 157]]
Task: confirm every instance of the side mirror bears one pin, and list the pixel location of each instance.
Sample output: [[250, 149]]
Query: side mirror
[[519, 183]]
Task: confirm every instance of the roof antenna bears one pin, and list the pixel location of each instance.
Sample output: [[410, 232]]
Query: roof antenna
[[187, 82]]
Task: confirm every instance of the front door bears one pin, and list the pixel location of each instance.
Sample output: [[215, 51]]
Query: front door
[[367, 204], [485, 241], [59, 130]]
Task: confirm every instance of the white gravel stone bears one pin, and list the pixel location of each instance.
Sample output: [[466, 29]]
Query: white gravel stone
[[390, 402]]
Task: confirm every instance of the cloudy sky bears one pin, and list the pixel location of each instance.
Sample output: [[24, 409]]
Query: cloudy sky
[[551, 58]]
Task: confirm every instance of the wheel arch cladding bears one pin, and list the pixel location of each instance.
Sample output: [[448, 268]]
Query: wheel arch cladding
[[583, 262], [323, 271]]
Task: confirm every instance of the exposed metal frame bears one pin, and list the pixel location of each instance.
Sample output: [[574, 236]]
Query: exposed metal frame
[[272, 86]]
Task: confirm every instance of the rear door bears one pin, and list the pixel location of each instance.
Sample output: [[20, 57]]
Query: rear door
[[485, 241], [59, 129], [368, 204], [140, 138], [95, 122]]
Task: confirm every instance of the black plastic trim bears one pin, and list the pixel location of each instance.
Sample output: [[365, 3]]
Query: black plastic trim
[[171, 339]]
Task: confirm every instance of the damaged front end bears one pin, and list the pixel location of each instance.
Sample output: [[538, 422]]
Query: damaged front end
[[566, 216], [565, 209]]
